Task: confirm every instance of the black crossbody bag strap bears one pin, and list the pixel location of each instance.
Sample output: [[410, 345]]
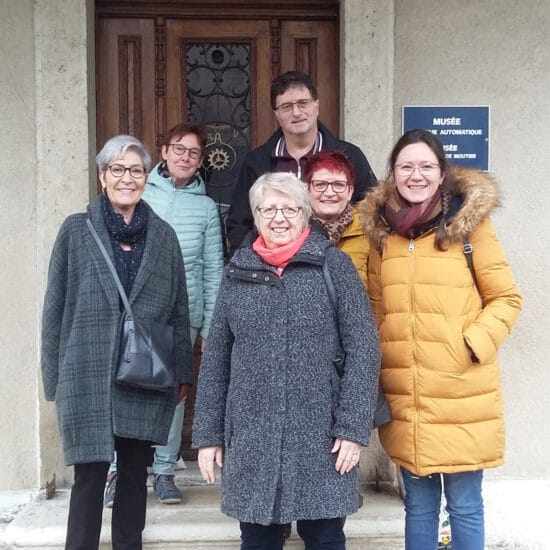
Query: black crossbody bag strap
[[333, 298], [468, 252], [111, 268]]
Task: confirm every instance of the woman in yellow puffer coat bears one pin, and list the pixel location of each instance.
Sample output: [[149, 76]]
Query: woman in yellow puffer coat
[[440, 331]]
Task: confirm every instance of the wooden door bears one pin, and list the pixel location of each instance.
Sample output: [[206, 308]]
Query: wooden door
[[159, 63], [312, 47], [215, 76]]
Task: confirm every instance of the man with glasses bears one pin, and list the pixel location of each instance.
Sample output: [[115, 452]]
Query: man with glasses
[[296, 107]]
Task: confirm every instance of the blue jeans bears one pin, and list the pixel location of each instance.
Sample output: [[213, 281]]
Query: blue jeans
[[166, 456], [317, 534], [464, 504]]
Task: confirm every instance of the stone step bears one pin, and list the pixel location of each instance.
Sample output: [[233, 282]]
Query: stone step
[[197, 522], [516, 517]]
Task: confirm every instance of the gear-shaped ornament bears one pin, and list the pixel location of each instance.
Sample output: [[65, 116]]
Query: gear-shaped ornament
[[218, 159]]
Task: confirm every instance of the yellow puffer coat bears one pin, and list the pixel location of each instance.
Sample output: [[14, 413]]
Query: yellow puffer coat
[[356, 245], [447, 409]]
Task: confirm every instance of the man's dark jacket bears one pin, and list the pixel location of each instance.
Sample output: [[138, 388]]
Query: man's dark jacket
[[259, 161]]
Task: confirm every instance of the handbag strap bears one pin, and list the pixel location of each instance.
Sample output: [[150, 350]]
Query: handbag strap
[[111, 268], [333, 298]]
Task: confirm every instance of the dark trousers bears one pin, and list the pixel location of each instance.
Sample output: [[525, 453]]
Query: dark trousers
[[128, 516], [318, 534]]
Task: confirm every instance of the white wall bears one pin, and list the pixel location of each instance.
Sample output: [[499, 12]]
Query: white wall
[[18, 291], [497, 53], [65, 136], [474, 52], [367, 67], [47, 132]]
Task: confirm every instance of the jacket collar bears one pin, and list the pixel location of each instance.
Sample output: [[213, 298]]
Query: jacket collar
[[312, 252], [156, 233], [475, 196], [156, 179]]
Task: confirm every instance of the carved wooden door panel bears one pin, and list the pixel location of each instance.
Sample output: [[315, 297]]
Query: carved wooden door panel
[[312, 47], [125, 79]]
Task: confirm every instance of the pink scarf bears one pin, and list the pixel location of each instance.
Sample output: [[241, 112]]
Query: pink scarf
[[280, 257]]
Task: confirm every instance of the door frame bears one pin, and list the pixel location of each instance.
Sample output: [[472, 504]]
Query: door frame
[[218, 9]]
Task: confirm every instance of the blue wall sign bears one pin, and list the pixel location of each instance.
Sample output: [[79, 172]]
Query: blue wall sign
[[464, 131]]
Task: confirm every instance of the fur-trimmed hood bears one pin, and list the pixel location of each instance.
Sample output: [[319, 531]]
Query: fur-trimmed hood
[[478, 198]]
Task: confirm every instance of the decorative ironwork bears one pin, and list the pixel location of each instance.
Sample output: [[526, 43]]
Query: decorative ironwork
[[218, 96]]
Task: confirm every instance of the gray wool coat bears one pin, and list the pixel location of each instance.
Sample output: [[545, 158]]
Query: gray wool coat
[[268, 391], [81, 337]]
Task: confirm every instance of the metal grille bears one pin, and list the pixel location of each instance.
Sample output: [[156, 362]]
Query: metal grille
[[218, 96]]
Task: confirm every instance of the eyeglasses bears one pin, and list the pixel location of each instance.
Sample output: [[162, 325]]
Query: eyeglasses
[[118, 170], [408, 169], [270, 212], [320, 186], [180, 150], [302, 104]]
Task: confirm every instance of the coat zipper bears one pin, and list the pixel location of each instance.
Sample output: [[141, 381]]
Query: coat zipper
[[413, 336]]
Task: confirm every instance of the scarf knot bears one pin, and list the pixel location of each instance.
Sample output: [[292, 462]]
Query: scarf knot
[[408, 219], [280, 257]]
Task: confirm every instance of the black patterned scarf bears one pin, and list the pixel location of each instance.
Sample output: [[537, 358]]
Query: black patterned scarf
[[127, 262]]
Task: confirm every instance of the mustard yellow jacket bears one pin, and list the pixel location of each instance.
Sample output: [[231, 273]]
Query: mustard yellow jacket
[[356, 245], [447, 407]]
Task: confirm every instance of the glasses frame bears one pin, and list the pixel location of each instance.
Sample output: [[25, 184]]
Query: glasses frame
[[282, 210], [194, 153], [127, 169], [302, 104], [325, 185], [431, 166]]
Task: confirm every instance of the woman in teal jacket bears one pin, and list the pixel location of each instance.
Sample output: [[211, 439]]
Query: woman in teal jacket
[[176, 192]]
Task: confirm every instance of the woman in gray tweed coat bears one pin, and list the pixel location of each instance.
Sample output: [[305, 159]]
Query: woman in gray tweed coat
[[81, 340], [271, 407]]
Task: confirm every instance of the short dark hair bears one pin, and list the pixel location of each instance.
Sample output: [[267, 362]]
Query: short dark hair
[[183, 129], [291, 79]]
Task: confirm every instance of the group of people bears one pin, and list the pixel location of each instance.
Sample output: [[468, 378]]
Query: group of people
[[336, 283]]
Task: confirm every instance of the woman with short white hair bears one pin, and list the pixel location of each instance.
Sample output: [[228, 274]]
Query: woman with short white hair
[[81, 342], [271, 407]]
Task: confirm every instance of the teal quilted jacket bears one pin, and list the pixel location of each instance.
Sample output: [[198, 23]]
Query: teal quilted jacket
[[195, 218]]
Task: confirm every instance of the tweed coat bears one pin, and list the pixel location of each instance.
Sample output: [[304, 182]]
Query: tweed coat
[[440, 333], [81, 337], [196, 220], [268, 390]]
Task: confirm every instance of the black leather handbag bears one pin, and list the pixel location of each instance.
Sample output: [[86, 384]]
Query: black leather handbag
[[147, 350], [382, 412]]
